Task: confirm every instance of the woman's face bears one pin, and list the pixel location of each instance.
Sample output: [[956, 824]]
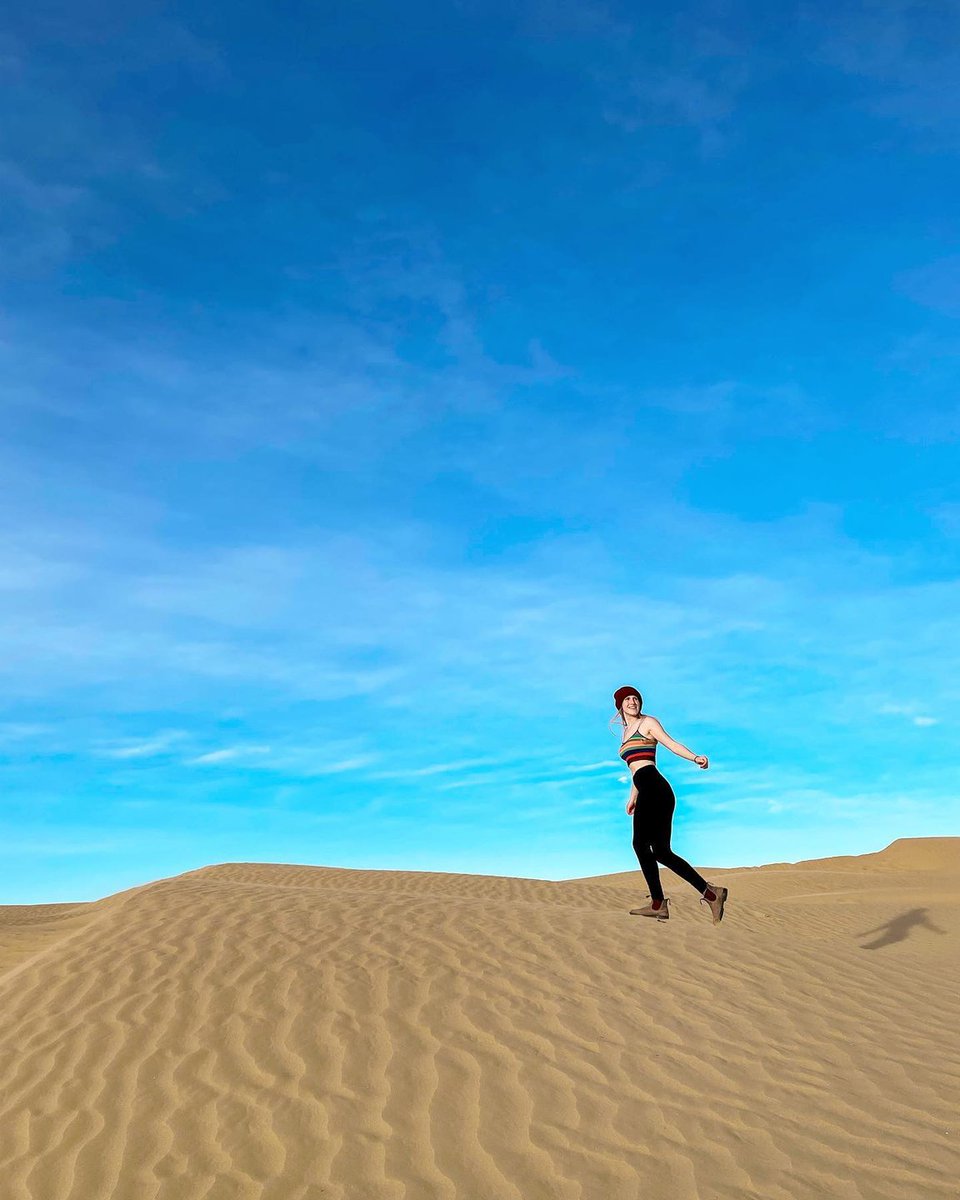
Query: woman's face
[[631, 706]]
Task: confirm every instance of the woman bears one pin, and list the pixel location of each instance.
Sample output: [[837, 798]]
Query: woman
[[651, 805]]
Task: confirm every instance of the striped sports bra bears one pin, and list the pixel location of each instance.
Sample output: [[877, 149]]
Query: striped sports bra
[[638, 748]]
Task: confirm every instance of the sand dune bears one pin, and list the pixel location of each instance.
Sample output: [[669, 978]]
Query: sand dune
[[296, 1033]]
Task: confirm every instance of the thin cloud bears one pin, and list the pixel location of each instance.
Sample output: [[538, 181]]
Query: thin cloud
[[909, 710], [907, 52], [147, 749], [227, 754]]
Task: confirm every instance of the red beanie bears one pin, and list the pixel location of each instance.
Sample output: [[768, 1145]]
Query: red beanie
[[622, 693]]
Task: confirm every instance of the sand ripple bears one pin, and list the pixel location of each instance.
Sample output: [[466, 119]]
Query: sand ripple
[[261, 1032]]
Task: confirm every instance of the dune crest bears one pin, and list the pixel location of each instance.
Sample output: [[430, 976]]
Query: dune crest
[[296, 1033], [923, 854]]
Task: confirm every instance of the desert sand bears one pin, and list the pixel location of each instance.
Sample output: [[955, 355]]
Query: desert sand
[[298, 1033]]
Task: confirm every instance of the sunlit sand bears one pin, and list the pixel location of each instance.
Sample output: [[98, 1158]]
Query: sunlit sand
[[298, 1033]]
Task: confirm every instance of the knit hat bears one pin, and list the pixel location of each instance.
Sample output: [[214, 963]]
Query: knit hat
[[622, 693]]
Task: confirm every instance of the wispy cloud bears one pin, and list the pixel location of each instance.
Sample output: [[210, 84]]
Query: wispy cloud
[[23, 731], [163, 743], [256, 608], [305, 762], [935, 284], [65, 155], [907, 50], [228, 754], [686, 74], [910, 711]]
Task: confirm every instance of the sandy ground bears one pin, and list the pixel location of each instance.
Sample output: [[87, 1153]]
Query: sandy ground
[[285, 1033]]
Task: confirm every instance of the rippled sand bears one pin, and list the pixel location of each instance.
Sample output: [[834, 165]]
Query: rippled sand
[[298, 1033]]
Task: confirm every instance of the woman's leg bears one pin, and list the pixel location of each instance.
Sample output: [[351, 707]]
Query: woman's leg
[[662, 830], [643, 849], [643, 842]]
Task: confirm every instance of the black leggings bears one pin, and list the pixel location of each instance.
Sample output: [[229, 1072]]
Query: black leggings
[[652, 821]]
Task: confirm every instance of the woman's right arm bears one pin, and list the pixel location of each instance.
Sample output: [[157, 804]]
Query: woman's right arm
[[658, 731], [632, 800]]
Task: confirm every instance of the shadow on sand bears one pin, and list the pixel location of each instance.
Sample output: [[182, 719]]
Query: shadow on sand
[[897, 928]]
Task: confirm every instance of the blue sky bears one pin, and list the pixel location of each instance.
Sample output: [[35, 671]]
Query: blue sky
[[384, 385]]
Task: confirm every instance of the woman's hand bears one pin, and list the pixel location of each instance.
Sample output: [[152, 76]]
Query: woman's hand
[[631, 805], [702, 761]]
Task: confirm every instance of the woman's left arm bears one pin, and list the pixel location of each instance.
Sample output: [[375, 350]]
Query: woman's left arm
[[658, 731]]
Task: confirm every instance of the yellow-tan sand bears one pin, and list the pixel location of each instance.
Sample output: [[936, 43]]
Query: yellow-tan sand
[[253, 1031]]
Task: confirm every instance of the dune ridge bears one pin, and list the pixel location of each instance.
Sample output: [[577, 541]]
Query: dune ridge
[[291, 1033]]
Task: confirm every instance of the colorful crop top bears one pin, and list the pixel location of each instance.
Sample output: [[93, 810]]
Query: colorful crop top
[[639, 748]]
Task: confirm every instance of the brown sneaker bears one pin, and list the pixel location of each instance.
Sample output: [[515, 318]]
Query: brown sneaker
[[716, 906], [660, 914]]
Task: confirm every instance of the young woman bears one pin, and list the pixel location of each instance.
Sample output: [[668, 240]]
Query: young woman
[[651, 805]]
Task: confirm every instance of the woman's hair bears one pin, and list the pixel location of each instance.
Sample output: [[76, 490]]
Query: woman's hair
[[619, 717]]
